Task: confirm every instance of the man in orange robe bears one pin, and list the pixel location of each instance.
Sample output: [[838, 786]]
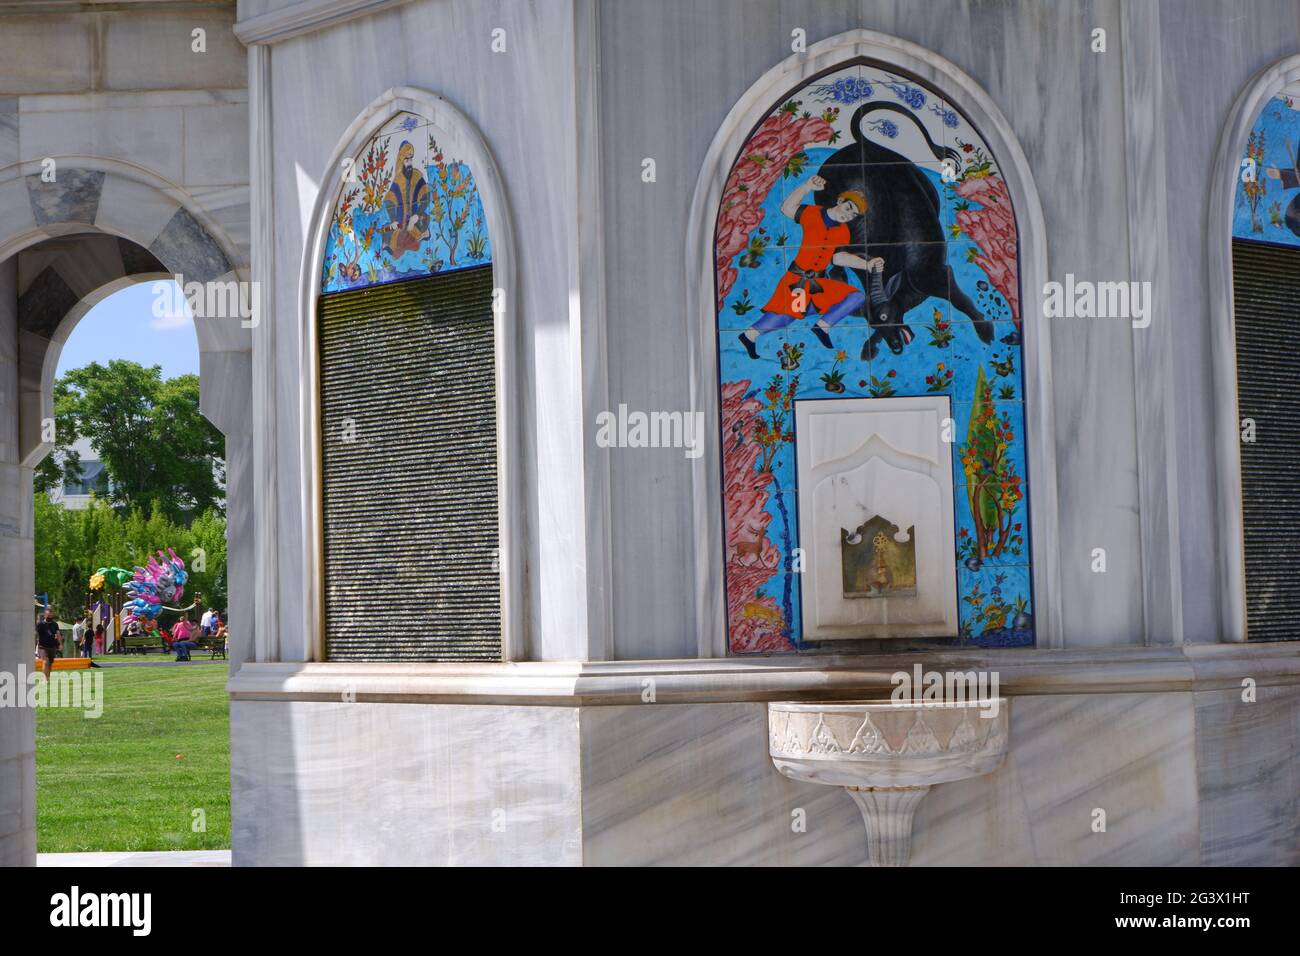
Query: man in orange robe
[[805, 287]]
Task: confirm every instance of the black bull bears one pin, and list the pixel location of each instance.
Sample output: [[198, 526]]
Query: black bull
[[901, 226]]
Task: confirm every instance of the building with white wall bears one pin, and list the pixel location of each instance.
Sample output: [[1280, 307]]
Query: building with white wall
[[93, 479], [486, 626]]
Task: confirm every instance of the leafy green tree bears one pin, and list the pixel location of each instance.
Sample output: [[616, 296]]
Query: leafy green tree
[[154, 442], [62, 464], [72, 545], [207, 547]]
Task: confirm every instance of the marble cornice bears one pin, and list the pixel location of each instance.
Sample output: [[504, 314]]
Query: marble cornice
[[304, 17], [1031, 672]]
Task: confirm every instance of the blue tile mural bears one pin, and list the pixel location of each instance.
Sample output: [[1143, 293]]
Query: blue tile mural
[[407, 208], [866, 247], [1268, 187]]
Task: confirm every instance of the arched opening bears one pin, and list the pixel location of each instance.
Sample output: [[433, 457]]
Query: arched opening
[[865, 224], [135, 472], [1255, 278], [409, 282], [70, 241]]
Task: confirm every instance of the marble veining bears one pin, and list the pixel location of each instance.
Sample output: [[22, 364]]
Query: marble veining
[[72, 197], [187, 248]]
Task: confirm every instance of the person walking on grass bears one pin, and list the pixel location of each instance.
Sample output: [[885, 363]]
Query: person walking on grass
[[47, 641], [78, 636]]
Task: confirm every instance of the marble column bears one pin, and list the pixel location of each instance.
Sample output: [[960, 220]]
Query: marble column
[[227, 382], [17, 571]]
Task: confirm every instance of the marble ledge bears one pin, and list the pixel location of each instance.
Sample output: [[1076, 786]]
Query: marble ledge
[[305, 16], [1027, 672], [135, 100]]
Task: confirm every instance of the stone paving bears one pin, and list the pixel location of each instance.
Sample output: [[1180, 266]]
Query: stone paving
[[127, 858]]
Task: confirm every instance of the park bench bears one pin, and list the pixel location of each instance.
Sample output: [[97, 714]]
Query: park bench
[[215, 646], [141, 643]]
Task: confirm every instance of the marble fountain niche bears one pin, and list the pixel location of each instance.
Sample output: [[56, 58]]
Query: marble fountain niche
[[875, 493]]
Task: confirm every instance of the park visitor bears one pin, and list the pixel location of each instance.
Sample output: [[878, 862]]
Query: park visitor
[[47, 641], [183, 638], [79, 636], [87, 637], [130, 629]]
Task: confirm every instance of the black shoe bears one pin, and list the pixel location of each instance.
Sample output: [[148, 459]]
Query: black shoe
[[822, 337], [749, 346]]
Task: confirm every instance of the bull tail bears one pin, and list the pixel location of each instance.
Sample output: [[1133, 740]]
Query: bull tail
[[940, 153]]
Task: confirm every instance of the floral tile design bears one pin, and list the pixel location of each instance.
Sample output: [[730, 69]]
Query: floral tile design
[[866, 247], [407, 208], [1267, 207]]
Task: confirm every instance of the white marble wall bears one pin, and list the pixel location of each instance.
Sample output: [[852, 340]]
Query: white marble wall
[[604, 85], [522, 102], [1201, 81], [1183, 779], [662, 98], [585, 91], [17, 567], [52, 51], [1248, 769], [693, 784], [120, 93], [407, 785], [1073, 114]]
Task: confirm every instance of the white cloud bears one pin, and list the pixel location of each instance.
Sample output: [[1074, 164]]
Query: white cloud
[[171, 322]]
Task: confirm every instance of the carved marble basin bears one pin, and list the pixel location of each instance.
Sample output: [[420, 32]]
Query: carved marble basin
[[887, 755], [887, 744]]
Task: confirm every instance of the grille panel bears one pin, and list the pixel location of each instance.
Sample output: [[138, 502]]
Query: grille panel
[[1266, 305], [410, 504]]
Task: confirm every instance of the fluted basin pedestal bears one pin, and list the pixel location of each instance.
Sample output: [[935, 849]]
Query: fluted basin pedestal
[[887, 812], [887, 755]]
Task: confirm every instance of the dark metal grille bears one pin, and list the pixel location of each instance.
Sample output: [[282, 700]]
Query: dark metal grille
[[1266, 303], [410, 503]]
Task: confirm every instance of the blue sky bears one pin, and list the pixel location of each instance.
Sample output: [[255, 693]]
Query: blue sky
[[124, 326]]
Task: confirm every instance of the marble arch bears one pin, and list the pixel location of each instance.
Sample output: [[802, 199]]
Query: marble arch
[[1227, 438], [101, 225], [475, 152], [944, 76]]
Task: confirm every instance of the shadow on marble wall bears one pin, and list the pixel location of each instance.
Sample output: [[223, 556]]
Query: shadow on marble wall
[[1247, 758], [693, 784], [1130, 755], [355, 784]]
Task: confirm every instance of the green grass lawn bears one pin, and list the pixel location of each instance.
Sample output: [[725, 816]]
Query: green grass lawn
[[131, 778]]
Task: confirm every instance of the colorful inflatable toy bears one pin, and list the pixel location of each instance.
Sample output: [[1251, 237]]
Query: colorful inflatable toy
[[161, 581]]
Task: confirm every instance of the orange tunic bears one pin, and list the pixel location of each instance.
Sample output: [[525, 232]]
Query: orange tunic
[[819, 244]]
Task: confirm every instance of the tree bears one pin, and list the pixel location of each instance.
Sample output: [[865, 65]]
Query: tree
[[992, 485], [150, 434], [62, 464], [71, 545], [207, 547]]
